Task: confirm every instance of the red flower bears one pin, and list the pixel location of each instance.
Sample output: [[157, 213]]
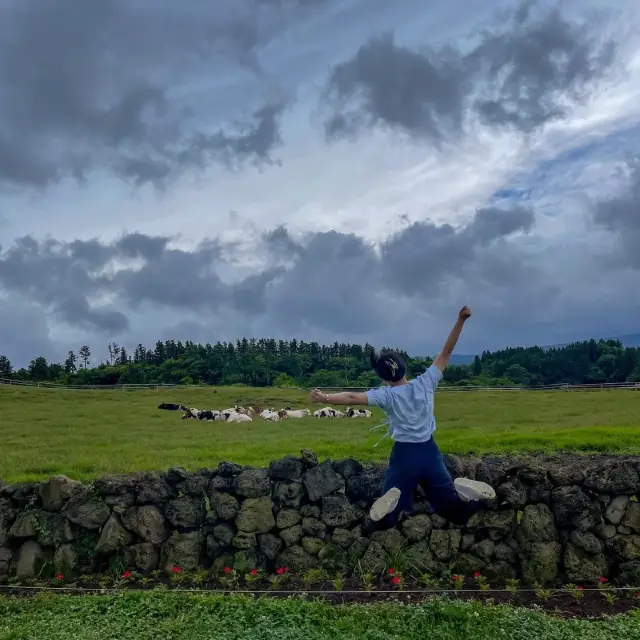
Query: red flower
[[126, 575], [391, 571], [455, 578], [579, 588], [638, 594], [286, 569], [603, 580], [477, 574], [395, 580], [176, 570], [279, 571], [59, 577], [254, 572], [227, 570]]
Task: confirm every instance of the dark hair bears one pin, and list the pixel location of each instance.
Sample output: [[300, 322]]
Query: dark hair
[[388, 365]]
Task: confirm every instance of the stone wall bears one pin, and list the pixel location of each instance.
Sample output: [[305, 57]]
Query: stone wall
[[563, 519]]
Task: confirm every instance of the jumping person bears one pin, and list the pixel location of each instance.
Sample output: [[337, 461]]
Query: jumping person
[[415, 456]]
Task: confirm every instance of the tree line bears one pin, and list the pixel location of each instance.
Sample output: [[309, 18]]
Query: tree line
[[282, 363]]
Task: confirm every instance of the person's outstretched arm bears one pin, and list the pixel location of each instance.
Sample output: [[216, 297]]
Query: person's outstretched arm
[[345, 397], [442, 360]]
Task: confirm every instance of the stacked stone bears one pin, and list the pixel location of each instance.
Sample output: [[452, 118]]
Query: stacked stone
[[563, 519]]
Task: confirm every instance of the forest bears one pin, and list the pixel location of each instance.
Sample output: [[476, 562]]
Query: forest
[[294, 363]]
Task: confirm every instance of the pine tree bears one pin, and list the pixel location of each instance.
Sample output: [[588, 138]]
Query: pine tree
[[5, 367], [85, 354], [70, 363]]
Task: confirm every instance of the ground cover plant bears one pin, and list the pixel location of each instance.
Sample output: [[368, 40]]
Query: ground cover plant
[[85, 433], [173, 615]]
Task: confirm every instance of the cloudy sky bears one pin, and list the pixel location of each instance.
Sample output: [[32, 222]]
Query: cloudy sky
[[321, 169]]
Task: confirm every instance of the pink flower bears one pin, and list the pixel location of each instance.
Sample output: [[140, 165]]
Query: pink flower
[[286, 569], [477, 574], [603, 580], [391, 571], [455, 578], [126, 575], [176, 570], [227, 570], [254, 572], [59, 577], [579, 588], [395, 580], [279, 571]]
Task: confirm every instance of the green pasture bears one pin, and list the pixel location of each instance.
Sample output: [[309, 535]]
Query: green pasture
[[86, 433]]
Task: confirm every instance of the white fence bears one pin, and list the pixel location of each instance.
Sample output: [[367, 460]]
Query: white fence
[[445, 388]]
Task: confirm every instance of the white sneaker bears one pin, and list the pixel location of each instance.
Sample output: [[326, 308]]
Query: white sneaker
[[472, 490], [385, 505]]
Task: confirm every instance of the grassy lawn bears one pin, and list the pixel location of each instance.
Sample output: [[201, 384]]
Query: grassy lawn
[[88, 433], [174, 616]]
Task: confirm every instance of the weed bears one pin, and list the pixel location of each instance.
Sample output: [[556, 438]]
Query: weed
[[338, 581], [481, 581], [427, 580], [458, 581], [541, 592], [512, 585], [200, 576], [576, 592], [313, 576], [368, 581]]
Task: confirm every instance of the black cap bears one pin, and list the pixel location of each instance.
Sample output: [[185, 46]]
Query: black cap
[[388, 365]]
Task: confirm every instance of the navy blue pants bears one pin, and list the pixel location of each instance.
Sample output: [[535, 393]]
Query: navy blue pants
[[413, 464]]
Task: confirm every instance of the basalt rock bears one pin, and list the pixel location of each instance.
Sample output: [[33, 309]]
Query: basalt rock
[[555, 519]]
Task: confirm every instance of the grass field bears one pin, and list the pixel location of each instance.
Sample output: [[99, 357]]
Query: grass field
[[173, 616], [87, 433]]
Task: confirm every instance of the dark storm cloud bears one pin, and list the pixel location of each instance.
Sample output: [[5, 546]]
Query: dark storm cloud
[[534, 65], [24, 333], [91, 84], [421, 93], [519, 76], [62, 277], [334, 281], [423, 257], [621, 216]]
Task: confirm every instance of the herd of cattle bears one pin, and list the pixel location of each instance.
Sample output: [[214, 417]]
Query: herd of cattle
[[240, 414]]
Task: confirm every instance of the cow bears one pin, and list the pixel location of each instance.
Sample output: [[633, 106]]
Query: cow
[[297, 413], [358, 413], [191, 414], [239, 417], [169, 406]]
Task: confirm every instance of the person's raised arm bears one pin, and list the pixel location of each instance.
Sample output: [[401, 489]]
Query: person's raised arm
[[345, 397], [442, 360]]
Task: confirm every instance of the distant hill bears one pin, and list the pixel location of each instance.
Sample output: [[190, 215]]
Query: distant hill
[[630, 340]]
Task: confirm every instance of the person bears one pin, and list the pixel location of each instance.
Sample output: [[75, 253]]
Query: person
[[415, 457]]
